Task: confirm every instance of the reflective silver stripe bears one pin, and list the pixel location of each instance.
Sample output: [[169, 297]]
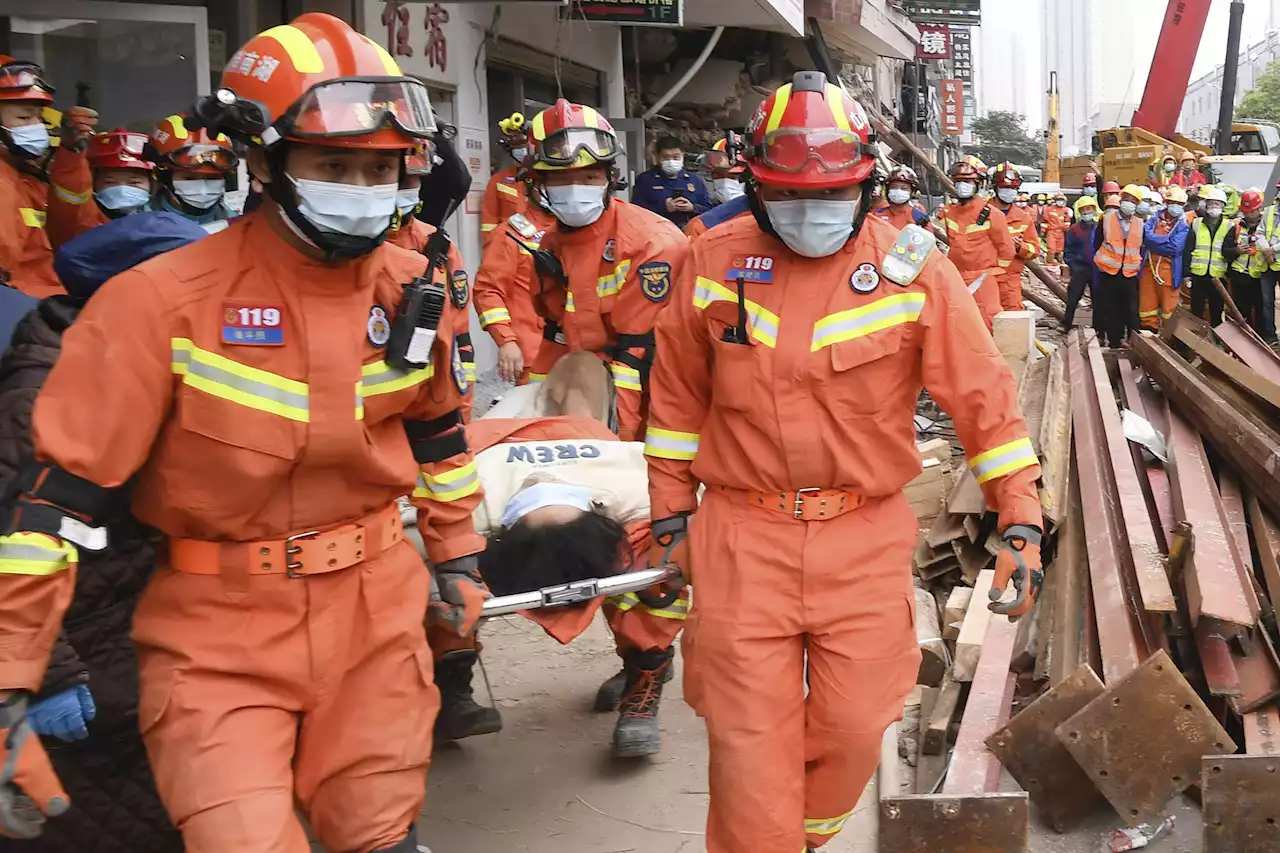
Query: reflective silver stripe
[[670, 444], [35, 553], [450, 485], [883, 314], [71, 197], [242, 388], [1004, 459], [977, 283], [763, 323]]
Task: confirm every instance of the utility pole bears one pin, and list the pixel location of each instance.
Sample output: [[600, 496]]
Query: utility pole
[[1227, 108]]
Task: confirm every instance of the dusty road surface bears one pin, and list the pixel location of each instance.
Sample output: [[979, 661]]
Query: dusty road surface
[[546, 784]]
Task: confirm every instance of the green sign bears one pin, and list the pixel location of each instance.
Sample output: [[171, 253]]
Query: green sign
[[638, 13]]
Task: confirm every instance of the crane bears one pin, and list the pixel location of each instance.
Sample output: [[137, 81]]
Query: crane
[[1052, 135]]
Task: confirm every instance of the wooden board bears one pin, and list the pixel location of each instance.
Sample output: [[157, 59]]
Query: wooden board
[[1015, 336], [974, 629], [1266, 536], [953, 613], [934, 657], [972, 558], [935, 448], [937, 732], [966, 497], [1031, 398], [1055, 440], [927, 492]]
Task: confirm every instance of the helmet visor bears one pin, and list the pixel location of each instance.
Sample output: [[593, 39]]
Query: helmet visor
[[24, 76], [563, 147], [358, 106], [195, 157], [791, 149]]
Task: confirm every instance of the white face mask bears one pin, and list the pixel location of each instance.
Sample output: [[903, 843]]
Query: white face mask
[[519, 154], [346, 208], [122, 199], [31, 138], [201, 194], [1007, 195], [966, 189], [407, 202], [727, 189], [1091, 191], [1127, 208], [671, 168], [1088, 217], [898, 195], [1213, 211], [1023, 203], [813, 227], [1169, 168], [1144, 209], [576, 205]]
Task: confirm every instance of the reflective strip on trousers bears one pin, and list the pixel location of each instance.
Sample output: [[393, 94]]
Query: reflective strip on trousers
[[610, 285], [873, 317], [830, 826], [494, 315], [977, 283], [381, 378], [625, 376], [763, 324], [678, 609], [238, 383], [448, 486], [670, 444], [534, 378], [1002, 460]]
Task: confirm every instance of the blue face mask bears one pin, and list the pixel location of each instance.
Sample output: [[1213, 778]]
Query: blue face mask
[[122, 199], [1175, 210], [31, 138]]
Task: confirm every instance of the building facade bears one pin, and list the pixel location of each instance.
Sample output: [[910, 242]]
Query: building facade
[[1199, 116]]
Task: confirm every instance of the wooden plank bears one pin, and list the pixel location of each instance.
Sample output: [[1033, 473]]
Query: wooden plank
[[973, 559], [974, 629], [927, 491], [1143, 554], [1250, 349], [938, 730], [953, 613], [1266, 536], [1245, 377], [934, 657], [935, 448], [985, 712], [1015, 336], [966, 497], [1055, 440], [1031, 398]]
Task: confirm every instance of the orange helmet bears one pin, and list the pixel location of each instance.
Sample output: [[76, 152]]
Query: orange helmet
[[809, 134], [718, 158], [1111, 187], [571, 136], [317, 79], [118, 149], [1111, 200], [1251, 201], [173, 146], [1005, 176], [23, 81]]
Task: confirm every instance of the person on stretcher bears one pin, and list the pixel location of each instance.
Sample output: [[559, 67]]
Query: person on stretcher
[[566, 500]]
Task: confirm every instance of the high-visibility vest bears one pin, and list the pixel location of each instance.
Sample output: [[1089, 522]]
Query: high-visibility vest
[[1206, 258], [1270, 226], [1120, 254]]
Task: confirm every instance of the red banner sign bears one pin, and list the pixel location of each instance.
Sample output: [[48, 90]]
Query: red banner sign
[[951, 94], [935, 41]]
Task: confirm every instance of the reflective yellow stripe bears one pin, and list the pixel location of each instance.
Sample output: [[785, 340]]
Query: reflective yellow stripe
[[1004, 263], [35, 554], [952, 225], [487, 226], [611, 285], [178, 127], [972, 229], [590, 117], [829, 826], [535, 378], [238, 383], [448, 486], [568, 303], [781, 98], [1149, 313], [762, 322], [670, 444], [625, 377], [469, 371], [494, 315], [71, 197], [539, 132], [31, 217], [872, 317], [1017, 229], [388, 62], [381, 378], [359, 403], [835, 100], [1002, 460], [302, 53], [678, 609], [503, 188]]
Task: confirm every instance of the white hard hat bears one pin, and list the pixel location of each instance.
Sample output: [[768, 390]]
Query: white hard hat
[[1152, 197], [1212, 194]]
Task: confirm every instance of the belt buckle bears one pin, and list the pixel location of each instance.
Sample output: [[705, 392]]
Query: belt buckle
[[798, 511], [292, 566]]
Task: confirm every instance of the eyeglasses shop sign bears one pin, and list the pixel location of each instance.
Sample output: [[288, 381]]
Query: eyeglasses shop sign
[[637, 13]]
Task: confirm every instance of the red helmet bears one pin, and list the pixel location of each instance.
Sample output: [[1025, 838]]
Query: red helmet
[[23, 81], [1110, 187], [173, 146], [318, 80], [1251, 201], [1090, 179], [1005, 176], [118, 149], [571, 136], [964, 170], [809, 134], [718, 159]]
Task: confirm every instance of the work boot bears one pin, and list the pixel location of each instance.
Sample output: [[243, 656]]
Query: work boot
[[610, 693], [637, 732], [460, 715]]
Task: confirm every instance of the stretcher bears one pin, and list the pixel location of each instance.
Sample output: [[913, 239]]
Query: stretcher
[[579, 591]]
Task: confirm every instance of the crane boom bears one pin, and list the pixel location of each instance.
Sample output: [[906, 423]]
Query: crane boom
[[1052, 136], [1171, 67]]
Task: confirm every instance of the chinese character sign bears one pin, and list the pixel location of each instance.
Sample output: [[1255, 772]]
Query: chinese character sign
[[395, 17], [951, 94], [437, 44], [935, 42], [962, 54]]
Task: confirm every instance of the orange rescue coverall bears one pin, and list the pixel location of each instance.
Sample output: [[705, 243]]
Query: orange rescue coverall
[[1022, 228], [240, 388], [504, 196], [72, 208], [1056, 222], [26, 259], [505, 284], [1157, 295], [897, 215], [980, 250], [620, 270], [801, 548]]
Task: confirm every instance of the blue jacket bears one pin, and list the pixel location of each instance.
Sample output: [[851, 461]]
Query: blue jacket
[[1168, 245], [1077, 248], [725, 211], [85, 262], [653, 188], [14, 305]]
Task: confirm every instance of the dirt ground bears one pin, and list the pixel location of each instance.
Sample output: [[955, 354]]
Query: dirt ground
[[546, 783]]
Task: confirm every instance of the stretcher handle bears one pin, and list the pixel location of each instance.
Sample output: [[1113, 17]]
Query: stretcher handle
[[578, 591]]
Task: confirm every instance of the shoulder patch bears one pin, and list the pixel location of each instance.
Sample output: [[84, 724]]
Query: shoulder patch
[[458, 289], [908, 254], [521, 225], [655, 280]]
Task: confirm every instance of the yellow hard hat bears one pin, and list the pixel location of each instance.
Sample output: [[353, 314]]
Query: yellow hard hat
[[1174, 194], [1085, 203], [1133, 191]]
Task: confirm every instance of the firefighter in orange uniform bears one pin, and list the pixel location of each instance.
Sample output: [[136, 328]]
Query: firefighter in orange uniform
[[243, 388], [1057, 219], [799, 427], [1022, 228], [192, 167], [26, 260], [899, 210], [981, 245], [726, 186], [619, 260], [104, 180], [504, 290], [505, 194]]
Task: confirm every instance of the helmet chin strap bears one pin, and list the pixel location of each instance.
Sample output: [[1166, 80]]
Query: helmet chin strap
[[336, 247]]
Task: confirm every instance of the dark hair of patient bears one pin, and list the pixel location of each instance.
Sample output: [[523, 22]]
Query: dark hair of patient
[[523, 558]]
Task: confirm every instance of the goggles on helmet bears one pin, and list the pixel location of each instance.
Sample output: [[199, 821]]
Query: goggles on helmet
[[23, 75], [356, 106], [562, 147], [791, 149], [203, 157]]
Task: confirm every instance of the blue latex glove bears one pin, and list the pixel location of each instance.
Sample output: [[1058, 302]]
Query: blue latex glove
[[64, 715]]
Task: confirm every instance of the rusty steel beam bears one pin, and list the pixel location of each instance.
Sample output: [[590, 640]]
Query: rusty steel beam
[[1151, 473], [989, 699], [1266, 535], [1053, 309], [1241, 793], [1246, 378], [1248, 348], [1219, 668], [1259, 672]]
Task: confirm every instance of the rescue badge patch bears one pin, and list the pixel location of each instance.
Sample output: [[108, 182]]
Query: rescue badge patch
[[458, 369], [655, 280], [379, 326], [458, 289], [611, 250], [252, 324], [865, 278]]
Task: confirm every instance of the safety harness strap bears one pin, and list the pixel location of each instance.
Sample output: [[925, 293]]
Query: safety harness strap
[[51, 485], [437, 439]]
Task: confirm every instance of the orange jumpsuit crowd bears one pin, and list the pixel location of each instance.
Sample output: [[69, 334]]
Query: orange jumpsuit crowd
[[506, 283], [981, 249]]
